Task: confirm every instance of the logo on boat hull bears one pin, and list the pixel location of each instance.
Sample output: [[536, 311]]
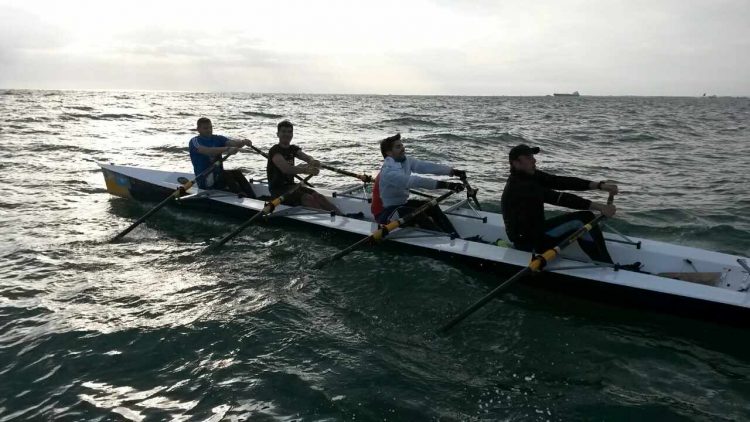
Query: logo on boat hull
[[117, 184]]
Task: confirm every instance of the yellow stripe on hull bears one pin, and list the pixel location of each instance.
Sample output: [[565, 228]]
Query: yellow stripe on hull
[[117, 184]]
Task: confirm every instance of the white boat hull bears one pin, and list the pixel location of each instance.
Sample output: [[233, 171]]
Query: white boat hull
[[730, 290]]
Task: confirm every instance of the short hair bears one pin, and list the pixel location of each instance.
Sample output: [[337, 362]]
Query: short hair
[[284, 123], [203, 121], [387, 143]]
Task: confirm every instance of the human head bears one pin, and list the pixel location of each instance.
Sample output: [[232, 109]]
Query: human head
[[204, 126], [285, 132], [521, 158], [393, 147]]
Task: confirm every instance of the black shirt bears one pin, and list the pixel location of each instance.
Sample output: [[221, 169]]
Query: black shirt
[[523, 202], [278, 182]]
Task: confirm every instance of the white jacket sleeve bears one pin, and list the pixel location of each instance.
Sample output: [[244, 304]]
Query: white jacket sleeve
[[393, 177], [426, 167]]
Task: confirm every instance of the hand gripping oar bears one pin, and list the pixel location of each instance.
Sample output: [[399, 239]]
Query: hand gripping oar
[[383, 230], [177, 193], [267, 209], [296, 176], [365, 178], [537, 264]]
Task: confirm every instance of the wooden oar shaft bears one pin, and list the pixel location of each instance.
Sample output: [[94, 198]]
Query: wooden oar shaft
[[363, 177], [175, 194], [536, 264], [383, 231], [483, 301], [341, 253], [235, 232], [159, 206], [267, 209]]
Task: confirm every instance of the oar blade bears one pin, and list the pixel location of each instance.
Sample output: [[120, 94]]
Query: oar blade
[[159, 206]]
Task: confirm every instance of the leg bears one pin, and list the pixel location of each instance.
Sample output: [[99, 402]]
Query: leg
[[437, 220], [325, 204], [558, 228], [235, 181], [242, 183], [313, 199]]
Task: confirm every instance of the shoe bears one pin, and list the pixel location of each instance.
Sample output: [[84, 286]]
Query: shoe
[[636, 266]]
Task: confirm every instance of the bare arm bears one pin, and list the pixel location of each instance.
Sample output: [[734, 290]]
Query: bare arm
[[239, 143], [306, 158], [279, 161], [212, 151]]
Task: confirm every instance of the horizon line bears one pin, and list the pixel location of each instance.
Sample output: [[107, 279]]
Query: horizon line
[[365, 94]]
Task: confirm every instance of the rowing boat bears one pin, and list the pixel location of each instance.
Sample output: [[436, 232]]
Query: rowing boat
[[678, 279]]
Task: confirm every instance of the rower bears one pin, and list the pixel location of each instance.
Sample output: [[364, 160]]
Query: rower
[[281, 170], [390, 196], [528, 189], [205, 149]]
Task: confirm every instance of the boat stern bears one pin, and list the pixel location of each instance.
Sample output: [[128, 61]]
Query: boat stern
[[117, 184]]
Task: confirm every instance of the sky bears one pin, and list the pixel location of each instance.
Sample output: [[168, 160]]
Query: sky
[[421, 47]]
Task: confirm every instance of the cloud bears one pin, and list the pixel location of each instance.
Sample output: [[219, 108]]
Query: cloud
[[420, 47]]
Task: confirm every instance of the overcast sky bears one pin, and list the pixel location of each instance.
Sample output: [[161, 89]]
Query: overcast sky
[[598, 47]]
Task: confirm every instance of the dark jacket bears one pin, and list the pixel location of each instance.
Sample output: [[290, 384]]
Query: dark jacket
[[523, 202]]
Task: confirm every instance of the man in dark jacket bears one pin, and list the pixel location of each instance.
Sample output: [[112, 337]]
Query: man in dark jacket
[[524, 196]]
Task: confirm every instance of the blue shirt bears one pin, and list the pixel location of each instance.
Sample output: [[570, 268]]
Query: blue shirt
[[201, 161]]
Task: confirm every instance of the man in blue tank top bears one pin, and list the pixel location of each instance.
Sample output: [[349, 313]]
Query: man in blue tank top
[[205, 149]]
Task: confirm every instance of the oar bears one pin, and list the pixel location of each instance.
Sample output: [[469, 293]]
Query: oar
[[366, 178], [267, 209], [383, 231], [536, 264], [260, 151], [178, 192], [471, 193]]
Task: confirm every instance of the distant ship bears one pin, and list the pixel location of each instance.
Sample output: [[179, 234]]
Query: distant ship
[[574, 94]]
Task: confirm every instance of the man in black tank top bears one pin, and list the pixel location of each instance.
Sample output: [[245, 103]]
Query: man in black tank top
[[281, 169]]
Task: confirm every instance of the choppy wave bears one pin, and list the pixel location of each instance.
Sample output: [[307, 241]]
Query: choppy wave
[[151, 328], [172, 149], [638, 137], [261, 114], [36, 119], [407, 121], [67, 116], [447, 137], [508, 138]]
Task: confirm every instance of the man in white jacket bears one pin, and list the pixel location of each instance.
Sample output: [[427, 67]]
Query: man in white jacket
[[390, 197]]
